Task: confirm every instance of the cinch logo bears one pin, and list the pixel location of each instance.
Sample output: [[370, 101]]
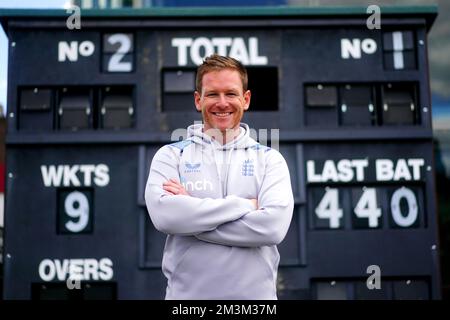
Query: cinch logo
[[200, 185], [191, 167], [248, 168]]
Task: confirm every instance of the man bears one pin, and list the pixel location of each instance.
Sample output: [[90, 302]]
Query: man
[[224, 200]]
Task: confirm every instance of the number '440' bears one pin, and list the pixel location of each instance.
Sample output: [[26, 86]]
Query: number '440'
[[367, 208]]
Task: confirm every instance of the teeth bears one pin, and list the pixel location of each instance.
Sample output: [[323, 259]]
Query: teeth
[[222, 114]]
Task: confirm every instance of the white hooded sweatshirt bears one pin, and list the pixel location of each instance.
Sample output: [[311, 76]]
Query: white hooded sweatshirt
[[219, 246]]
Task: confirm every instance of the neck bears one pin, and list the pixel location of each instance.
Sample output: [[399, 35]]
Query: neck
[[223, 137]]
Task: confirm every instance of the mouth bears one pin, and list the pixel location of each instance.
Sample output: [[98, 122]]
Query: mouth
[[222, 114]]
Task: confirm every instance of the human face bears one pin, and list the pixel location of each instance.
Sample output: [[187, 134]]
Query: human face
[[222, 100]]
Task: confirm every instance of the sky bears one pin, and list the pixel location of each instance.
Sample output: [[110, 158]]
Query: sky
[[10, 4]]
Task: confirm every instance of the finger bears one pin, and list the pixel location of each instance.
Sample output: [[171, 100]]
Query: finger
[[171, 182], [172, 189], [176, 183]]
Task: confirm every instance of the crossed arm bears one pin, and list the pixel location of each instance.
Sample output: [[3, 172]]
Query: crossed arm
[[231, 221], [173, 187]]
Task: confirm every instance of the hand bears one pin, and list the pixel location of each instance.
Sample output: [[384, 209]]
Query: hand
[[255, 203], [173, 187]]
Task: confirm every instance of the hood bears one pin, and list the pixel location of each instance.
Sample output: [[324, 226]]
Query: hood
[[242, 141]]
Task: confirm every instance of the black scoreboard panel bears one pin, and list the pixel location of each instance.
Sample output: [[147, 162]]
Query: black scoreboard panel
[[347, 106]]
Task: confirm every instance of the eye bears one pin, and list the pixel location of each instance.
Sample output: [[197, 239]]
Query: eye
[[212, 94], [232, 94]]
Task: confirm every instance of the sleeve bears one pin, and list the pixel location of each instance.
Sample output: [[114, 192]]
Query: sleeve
[[269, 224], [185, 215]]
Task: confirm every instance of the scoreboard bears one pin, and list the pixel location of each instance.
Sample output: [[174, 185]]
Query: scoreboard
[[347, 106]]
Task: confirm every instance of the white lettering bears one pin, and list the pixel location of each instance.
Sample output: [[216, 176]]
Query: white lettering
[[402, 171], [340, 172], [345, 170], [101, 175], [61, 269], [350, 48], [416, 164], [51, 175], [106, 271], [360, 165], [311, 174], [225, 46], [66, 175], [86, 48], [329, 171], [47, 270], [196, 56], [76, 269], [90, 269], [239, 51], [64, 51], [70, 52], [255, 58], [221, 44], [384, 169], [87, 169], [369, 46], [182, 44], [70, 176]]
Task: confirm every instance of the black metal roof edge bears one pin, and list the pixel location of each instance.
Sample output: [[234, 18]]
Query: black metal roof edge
[[223, 11], [428, 12]]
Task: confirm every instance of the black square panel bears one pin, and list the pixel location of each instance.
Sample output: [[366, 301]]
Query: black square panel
[[118, 62], [399, 104], [179, 81], [118, 43], [358, 95], [99, 291], [325, 208], [366, 206], [411, 290], [75, 211], [406, 207], [36, 109], [118, 52], [398, 40], [400, 60], [86, 291], [321, 102], [75, 110], [35, 99], [179, 102], [321, 96], [357, 106], [362, 292], [331, 290], [117, 111]]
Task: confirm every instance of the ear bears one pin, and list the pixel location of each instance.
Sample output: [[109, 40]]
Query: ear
[[197, 98], [247, 97]]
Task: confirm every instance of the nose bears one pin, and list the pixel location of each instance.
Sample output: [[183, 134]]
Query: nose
[[222, 101]]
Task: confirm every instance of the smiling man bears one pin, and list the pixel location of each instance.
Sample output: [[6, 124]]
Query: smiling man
[[223, 232]]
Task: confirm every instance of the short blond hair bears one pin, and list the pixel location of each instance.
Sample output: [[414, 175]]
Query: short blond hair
[[216, 62]]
